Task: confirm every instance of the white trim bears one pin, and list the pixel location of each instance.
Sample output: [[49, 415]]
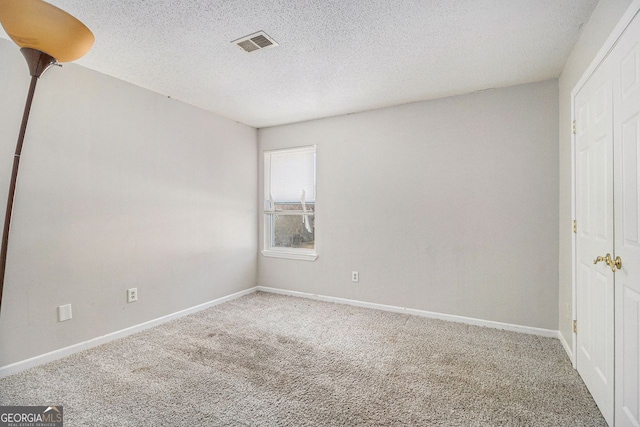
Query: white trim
[[566, 347], [574, 237], [441, 316], [622, 25], [290, 255], [290, 213], [75, 348], [291, 150], [608, 45]]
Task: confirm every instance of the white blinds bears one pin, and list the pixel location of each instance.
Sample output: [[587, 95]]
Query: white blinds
[[290, 172]]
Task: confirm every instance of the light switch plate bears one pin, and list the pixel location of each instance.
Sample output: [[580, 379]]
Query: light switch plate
[[64, 312]]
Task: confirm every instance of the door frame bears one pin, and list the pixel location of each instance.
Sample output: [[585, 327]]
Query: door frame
[[608, 45]]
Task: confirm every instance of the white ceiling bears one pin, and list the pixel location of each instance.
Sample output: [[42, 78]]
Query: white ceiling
[[335, 56]]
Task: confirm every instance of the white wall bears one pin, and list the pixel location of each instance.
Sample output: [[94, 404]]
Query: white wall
[[119, 187], [602, 21], [449, 206]]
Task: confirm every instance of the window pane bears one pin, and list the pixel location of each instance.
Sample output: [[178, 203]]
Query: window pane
[[289, 202], [293, 229]]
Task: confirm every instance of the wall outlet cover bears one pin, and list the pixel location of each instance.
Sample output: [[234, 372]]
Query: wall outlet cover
[[64, 312], [132, 295]]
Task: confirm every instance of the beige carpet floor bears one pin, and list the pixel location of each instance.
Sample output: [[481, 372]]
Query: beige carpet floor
[[267, 359]]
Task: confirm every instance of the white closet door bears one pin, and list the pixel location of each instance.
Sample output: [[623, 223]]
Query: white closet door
[[594, 215], [625, 59]]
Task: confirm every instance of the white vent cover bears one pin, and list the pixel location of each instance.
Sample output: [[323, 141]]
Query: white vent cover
[[255, 41]]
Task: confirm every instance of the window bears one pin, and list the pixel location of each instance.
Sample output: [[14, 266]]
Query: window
[[290, 203]]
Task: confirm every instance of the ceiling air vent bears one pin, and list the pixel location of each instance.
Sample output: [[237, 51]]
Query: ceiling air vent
[[255, 41]]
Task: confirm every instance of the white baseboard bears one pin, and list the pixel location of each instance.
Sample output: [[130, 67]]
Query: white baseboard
[[75, 348], [432, 315], [567, 347]]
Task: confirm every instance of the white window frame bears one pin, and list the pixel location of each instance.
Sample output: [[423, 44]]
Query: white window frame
[[269, 215]]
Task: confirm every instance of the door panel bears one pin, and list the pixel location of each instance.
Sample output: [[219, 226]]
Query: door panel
[[603, 213], [603, 314], [629, 405], [630, 181], [594, 215], [625, 58]]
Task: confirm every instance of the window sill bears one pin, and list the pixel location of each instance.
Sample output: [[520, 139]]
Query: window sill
[[291, 255]]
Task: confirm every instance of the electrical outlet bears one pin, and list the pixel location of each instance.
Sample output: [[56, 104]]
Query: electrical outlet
[[64, 312], [132, 295], [355, 276]]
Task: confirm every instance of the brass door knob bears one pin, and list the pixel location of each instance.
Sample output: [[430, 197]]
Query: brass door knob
[[601, 258], [613, 264]]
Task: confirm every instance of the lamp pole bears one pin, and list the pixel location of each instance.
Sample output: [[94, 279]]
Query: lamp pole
[[38, 63], [37, 26]]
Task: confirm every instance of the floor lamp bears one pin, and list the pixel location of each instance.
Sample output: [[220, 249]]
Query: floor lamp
[[46, 35]]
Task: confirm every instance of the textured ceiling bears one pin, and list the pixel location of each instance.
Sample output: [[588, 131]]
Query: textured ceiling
[[335, 56]]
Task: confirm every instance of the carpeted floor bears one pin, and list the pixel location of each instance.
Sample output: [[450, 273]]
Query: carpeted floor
[[267, 359]]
